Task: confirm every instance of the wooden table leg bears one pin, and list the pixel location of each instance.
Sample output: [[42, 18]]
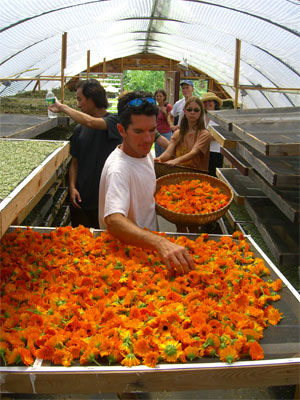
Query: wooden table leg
[[182, 228]]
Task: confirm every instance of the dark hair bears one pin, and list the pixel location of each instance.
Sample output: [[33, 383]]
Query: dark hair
[[217, 106], [162, 91], [184, 125], [92, 89], [125, 111]]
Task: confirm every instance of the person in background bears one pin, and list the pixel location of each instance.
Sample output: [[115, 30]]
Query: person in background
[[212, 102], [162, 120], [189, 145], [187, 88], [128, 182], [89, 150]]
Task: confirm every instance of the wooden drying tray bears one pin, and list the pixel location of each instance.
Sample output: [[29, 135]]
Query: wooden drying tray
[[226, 118], [25, 126], [271, 138], [281, 365], [29, 188]]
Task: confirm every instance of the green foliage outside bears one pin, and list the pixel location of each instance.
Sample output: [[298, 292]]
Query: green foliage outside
[[150, 81]]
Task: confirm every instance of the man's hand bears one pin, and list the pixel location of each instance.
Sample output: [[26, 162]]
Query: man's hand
[[56, 107], [75, 197], [175, 256]]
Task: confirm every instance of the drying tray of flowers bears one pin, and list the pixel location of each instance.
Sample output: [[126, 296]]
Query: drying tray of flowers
[[192, 198], [77, 303]]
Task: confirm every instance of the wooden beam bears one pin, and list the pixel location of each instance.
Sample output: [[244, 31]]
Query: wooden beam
[[88, 63], [236, 78], [63, 66], [104, 68]]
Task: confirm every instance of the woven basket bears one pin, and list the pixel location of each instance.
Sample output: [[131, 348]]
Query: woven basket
[[192, 219], [162, 169]]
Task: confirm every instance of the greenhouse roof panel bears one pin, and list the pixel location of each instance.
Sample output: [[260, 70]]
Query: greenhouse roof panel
[[202, 32]]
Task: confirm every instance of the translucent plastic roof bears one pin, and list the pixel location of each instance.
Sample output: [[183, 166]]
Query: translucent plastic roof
[[202, 32]]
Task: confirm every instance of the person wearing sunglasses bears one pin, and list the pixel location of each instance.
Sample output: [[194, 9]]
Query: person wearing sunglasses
[[189, 145], [128, 182]]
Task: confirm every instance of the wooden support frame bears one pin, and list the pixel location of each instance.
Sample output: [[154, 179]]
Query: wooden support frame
[[14, 204], [236, 78], [63, 65], [88, 63]]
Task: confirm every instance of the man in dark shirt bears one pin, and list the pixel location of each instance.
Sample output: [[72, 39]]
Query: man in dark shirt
[[90, 148]]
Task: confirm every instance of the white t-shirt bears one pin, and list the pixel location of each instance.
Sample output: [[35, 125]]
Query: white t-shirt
[[177, 109], [127, 186], [214, 145]]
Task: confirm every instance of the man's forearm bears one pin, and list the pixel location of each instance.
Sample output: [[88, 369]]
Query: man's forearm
[[82, 118], [175, 257], [73, 173], [129, 233]]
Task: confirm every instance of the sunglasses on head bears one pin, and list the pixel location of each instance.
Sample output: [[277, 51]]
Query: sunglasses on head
[[139, 102], [193, 109]]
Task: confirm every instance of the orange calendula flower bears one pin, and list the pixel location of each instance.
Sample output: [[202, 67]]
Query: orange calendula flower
[[228, 354], [255, 350], [273, 315], [170, 350], [151, 359], [191, 352], [130, 360]]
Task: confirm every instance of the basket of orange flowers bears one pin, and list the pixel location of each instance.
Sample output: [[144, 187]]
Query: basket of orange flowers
[[192, 198]]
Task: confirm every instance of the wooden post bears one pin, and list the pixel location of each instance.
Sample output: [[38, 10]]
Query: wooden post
[[104, 68], [236, 78], [122, 64], [63, 66], [88, 63]]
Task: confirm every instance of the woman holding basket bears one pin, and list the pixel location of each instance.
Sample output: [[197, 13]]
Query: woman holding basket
[[189, 145]]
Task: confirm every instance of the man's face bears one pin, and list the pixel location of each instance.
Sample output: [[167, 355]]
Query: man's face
[[86, 105], [209, 105], [139, 136], [187, 90]]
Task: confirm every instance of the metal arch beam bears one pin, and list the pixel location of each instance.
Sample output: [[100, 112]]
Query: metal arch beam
[[150, 24], [45, 13], [246, 13]]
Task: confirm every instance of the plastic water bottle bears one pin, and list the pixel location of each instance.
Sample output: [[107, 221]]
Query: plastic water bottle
[[50, 99]]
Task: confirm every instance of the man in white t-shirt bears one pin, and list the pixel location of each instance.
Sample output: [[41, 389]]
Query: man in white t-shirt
[[127, 184], [187, 88]]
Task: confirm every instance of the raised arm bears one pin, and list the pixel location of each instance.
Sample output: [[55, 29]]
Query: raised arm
[[174, 256], [78, 116]]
